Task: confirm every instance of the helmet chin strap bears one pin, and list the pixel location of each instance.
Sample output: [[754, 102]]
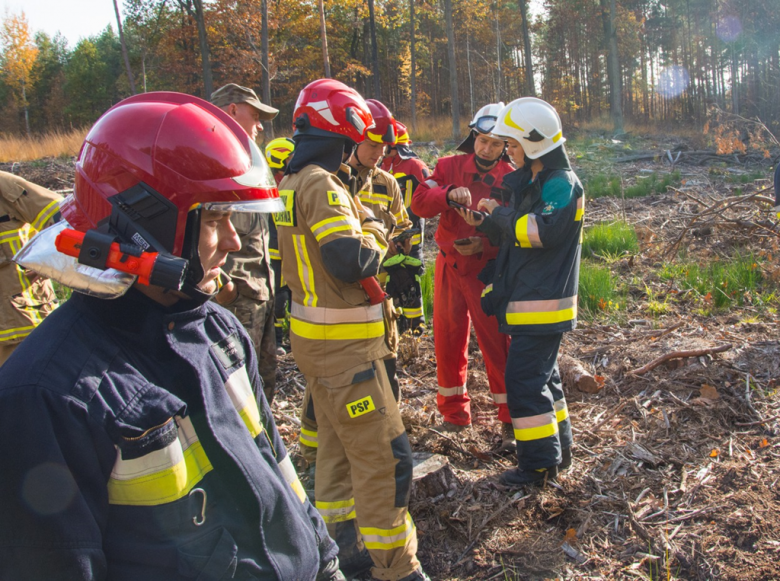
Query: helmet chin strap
[[195, 271], [485, 165]]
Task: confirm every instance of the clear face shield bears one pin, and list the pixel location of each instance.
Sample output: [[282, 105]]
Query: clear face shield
[[485, 124]]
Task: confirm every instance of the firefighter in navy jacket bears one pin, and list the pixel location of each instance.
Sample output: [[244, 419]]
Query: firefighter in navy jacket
[[532, 286], [136, 441]]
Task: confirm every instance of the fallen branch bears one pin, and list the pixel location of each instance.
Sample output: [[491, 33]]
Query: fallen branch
[[757, 423], [574, 373], [679, 355]]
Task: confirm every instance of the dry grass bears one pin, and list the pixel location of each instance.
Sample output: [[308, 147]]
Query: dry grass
[[435, 129], [54, 144]]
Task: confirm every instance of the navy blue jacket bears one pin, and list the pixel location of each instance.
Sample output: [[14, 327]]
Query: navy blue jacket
[[136, 444], [536, 273]]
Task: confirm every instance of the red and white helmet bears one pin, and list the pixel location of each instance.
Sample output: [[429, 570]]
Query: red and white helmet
[[384, 129], [403, 134], [330, 108], [153, 158]]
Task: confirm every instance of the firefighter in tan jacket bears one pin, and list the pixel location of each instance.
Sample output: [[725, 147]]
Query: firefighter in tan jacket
[[329, 243], [378, 191], [27, 298]]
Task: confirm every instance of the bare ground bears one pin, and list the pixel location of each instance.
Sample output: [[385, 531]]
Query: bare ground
[[675, 470]]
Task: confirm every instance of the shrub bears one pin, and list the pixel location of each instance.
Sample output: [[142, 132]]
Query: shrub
[[610, 239]]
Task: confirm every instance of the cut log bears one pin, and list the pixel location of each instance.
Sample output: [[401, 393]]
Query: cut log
[[432, 476], [574, 374]]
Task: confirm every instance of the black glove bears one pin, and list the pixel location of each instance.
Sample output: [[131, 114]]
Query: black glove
[[403, 275]]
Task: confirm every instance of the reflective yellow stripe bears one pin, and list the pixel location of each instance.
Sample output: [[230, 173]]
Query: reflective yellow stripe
[[580, 208], [498, 397], [308, 438], [338, 511], [10, 334], [382, 247], [291, 477], [10, 235], [541, 312], [161, 476], [386, 539], [409, 191], [24, 282], [365, 314], [535, 427], [239, 389], [561, 410], [411, 313], [331, 332], [45, 214], [450, 391], [374, 198], [487, 289], [416, 239], [274, 254], [328, 226], [305, 271], [527, 232]]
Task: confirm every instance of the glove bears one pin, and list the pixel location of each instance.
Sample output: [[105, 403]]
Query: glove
[[403, 276], [331, 572]]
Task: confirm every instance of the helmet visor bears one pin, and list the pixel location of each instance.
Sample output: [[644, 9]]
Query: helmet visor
[[485, 124]]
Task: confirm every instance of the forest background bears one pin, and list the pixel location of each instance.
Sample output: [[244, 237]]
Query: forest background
[[658, 62]]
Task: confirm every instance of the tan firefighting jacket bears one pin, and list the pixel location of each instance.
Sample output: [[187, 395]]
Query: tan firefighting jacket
[[379, 191], [325, 251], [25, 208]]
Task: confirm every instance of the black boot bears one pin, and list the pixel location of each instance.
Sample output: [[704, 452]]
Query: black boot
[[356, 565], [517, 477], [565, 459]]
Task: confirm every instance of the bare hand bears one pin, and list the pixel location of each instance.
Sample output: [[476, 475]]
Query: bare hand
[[468, 249], [460, 195], [487, 205], [470, 218], [227, 294]]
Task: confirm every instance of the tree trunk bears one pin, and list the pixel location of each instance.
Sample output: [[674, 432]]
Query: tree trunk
[[26, 110], [268, 126], [374, 51], [608, 14], [453, 70], [468, 67], [124, 48], [498, 59], [324, 38], [200, 18], [530, 86], [414, 66]]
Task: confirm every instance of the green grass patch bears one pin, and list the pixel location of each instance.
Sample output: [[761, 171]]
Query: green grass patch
[[598, 292], [610, 239], [653, 184], [721, 285], [602, 184]]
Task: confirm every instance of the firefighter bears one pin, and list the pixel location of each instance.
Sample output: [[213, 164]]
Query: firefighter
[[379, 192], [332, 248], [25, 208], [249, 289], [278, 152], [534, 282], [463, 253], [410, 171], [141, 445]]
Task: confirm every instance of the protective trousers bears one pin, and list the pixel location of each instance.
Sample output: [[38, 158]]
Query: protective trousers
[[456, 306], [257, 317], [307, 439], [536, 402], [364, 468]]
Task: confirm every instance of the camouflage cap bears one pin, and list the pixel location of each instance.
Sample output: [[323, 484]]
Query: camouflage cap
[[232, 93]]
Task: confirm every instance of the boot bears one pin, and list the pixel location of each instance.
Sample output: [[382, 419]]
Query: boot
[[507, 439], [356, 565], [565, 459], [517, 477]]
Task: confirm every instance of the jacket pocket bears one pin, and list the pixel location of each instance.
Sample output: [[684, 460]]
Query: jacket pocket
[[209, 557]]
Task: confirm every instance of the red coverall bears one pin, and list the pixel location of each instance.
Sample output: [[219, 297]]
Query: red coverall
[[456, 300]]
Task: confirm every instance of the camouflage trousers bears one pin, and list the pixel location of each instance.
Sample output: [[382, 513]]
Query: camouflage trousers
[[258, 320]]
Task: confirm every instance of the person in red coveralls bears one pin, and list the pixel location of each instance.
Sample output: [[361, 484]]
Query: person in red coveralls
[[409, 171], [465, 179]]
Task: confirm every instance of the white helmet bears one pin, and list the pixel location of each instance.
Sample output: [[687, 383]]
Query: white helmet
[[532, 122], [486, 118]]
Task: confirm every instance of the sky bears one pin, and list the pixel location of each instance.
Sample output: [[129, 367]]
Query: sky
[[75, 19]]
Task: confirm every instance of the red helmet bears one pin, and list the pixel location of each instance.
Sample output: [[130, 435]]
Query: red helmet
[[152, 158], [403, 134], [384, 130], [328, 107]]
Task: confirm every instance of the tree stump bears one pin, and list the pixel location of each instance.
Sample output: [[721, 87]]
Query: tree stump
[[573, 373], [433, 477]]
